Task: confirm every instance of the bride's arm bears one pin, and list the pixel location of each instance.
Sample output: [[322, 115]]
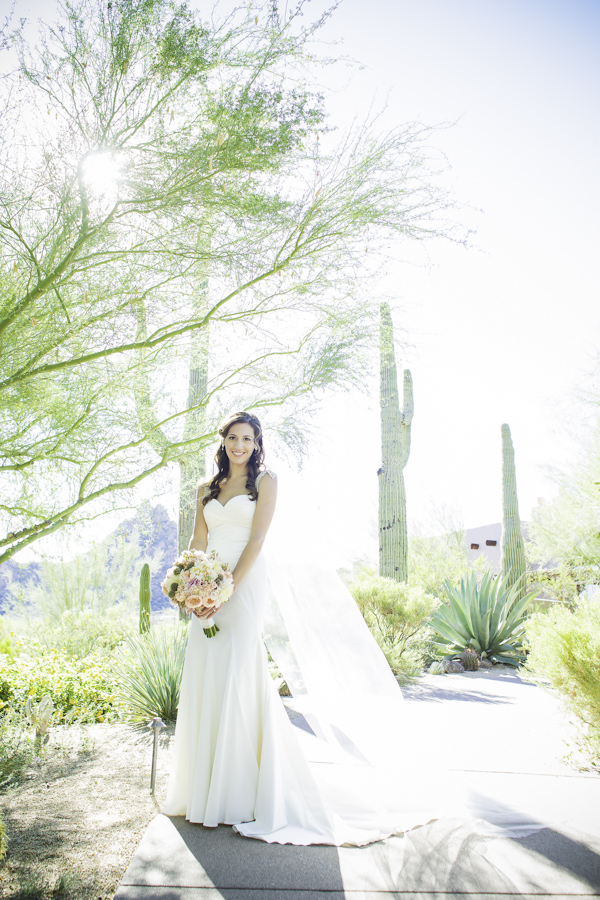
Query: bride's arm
[[199, 538], [265, 507]]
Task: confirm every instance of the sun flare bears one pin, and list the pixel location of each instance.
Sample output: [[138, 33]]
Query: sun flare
[[102, 174]]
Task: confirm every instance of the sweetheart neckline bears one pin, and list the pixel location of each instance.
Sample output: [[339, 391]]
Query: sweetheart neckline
[[224, 505]]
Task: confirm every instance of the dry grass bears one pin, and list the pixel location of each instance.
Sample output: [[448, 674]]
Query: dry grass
[[76, 817]]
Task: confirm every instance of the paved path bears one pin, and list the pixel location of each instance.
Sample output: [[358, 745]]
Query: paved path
[[507, 738]]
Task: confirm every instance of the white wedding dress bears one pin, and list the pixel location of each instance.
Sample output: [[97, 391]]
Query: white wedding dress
[[361, 776]]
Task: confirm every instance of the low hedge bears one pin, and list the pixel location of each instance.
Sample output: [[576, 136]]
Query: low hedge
[[82, 690]]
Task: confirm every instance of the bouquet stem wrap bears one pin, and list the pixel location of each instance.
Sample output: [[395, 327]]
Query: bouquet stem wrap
[[212, 628]]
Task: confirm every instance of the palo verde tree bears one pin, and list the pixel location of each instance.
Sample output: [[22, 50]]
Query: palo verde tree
[[395, 449], [162, 175]]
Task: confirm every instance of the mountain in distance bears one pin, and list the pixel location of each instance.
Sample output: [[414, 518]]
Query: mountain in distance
[[156, 535]]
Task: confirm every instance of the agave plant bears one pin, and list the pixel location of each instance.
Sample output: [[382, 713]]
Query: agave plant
[[487, 617], [39, 714], [149, 673]]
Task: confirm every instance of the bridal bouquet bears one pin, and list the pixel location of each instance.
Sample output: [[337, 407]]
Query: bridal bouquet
[[199, 581]]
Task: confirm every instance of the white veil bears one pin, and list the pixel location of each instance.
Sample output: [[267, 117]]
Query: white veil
[[332, 665], [342, 684]]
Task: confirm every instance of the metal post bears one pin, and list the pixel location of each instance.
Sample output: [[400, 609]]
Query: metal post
[[156, 724]]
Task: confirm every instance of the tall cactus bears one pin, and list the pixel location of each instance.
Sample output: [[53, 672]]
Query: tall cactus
[[145, 599], [513, 547], [395, 450]]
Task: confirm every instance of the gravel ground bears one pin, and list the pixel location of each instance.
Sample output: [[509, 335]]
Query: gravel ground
[[76, 818]]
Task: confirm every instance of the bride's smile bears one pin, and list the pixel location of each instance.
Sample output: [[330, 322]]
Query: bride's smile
[[240, 443]]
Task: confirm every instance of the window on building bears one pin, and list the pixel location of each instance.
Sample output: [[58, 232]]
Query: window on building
[[490, 543], [474, 546]]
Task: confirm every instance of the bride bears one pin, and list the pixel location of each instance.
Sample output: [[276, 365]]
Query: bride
[[238, 760], [359, 772]]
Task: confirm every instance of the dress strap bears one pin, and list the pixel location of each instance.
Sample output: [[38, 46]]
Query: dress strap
[[264, 472]]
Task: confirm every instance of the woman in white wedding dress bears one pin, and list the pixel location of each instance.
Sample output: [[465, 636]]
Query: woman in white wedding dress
[[237, 758], [363, 774]]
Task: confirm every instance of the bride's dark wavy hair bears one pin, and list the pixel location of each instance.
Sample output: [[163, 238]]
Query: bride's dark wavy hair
[[255, 463]]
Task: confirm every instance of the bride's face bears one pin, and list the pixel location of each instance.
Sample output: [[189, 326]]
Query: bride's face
[[240, 443]]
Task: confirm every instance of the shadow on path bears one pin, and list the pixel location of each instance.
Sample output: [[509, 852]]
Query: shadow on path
[[425, 693]]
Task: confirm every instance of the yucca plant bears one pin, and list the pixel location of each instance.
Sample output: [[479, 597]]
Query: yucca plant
[[488, 617], [149, 674], [39, 714]]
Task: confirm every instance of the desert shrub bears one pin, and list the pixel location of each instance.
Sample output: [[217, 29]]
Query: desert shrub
[[17, 747], [434, 560], [81, 690], [397, 616], [564, 647], [6, 639], [79, 633], [488, 617], [149, 673], [436, 668]]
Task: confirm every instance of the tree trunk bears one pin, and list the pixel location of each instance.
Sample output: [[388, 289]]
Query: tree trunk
[[192, 467]]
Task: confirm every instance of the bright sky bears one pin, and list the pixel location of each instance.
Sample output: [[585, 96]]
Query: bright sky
[[509, 330]]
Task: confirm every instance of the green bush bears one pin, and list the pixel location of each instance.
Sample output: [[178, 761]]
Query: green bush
[[486, 617], [434, 560], [149, 673], [397, 616], [6, 642], [436, 668], [79, 633], [564, 647], [82, 690]]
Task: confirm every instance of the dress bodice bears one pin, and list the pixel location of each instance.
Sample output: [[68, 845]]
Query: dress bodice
[[229, 525], [236, 514]]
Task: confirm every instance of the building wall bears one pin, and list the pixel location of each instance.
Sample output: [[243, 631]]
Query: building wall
[[486, 541]]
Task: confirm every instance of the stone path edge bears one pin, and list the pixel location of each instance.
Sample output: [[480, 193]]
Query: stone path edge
[[143, 892]]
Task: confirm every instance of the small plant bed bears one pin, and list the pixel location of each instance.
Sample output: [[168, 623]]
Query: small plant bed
[[74, 815], [455, 667]]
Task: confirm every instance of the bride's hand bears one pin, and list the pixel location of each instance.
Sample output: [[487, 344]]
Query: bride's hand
[[204, 612]]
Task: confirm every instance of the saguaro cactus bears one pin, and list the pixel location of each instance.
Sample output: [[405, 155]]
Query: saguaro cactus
[[513, 547], [395, 450], [145, 599]]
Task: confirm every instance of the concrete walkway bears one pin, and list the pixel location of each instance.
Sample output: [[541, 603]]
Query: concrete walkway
[[506, 737]]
